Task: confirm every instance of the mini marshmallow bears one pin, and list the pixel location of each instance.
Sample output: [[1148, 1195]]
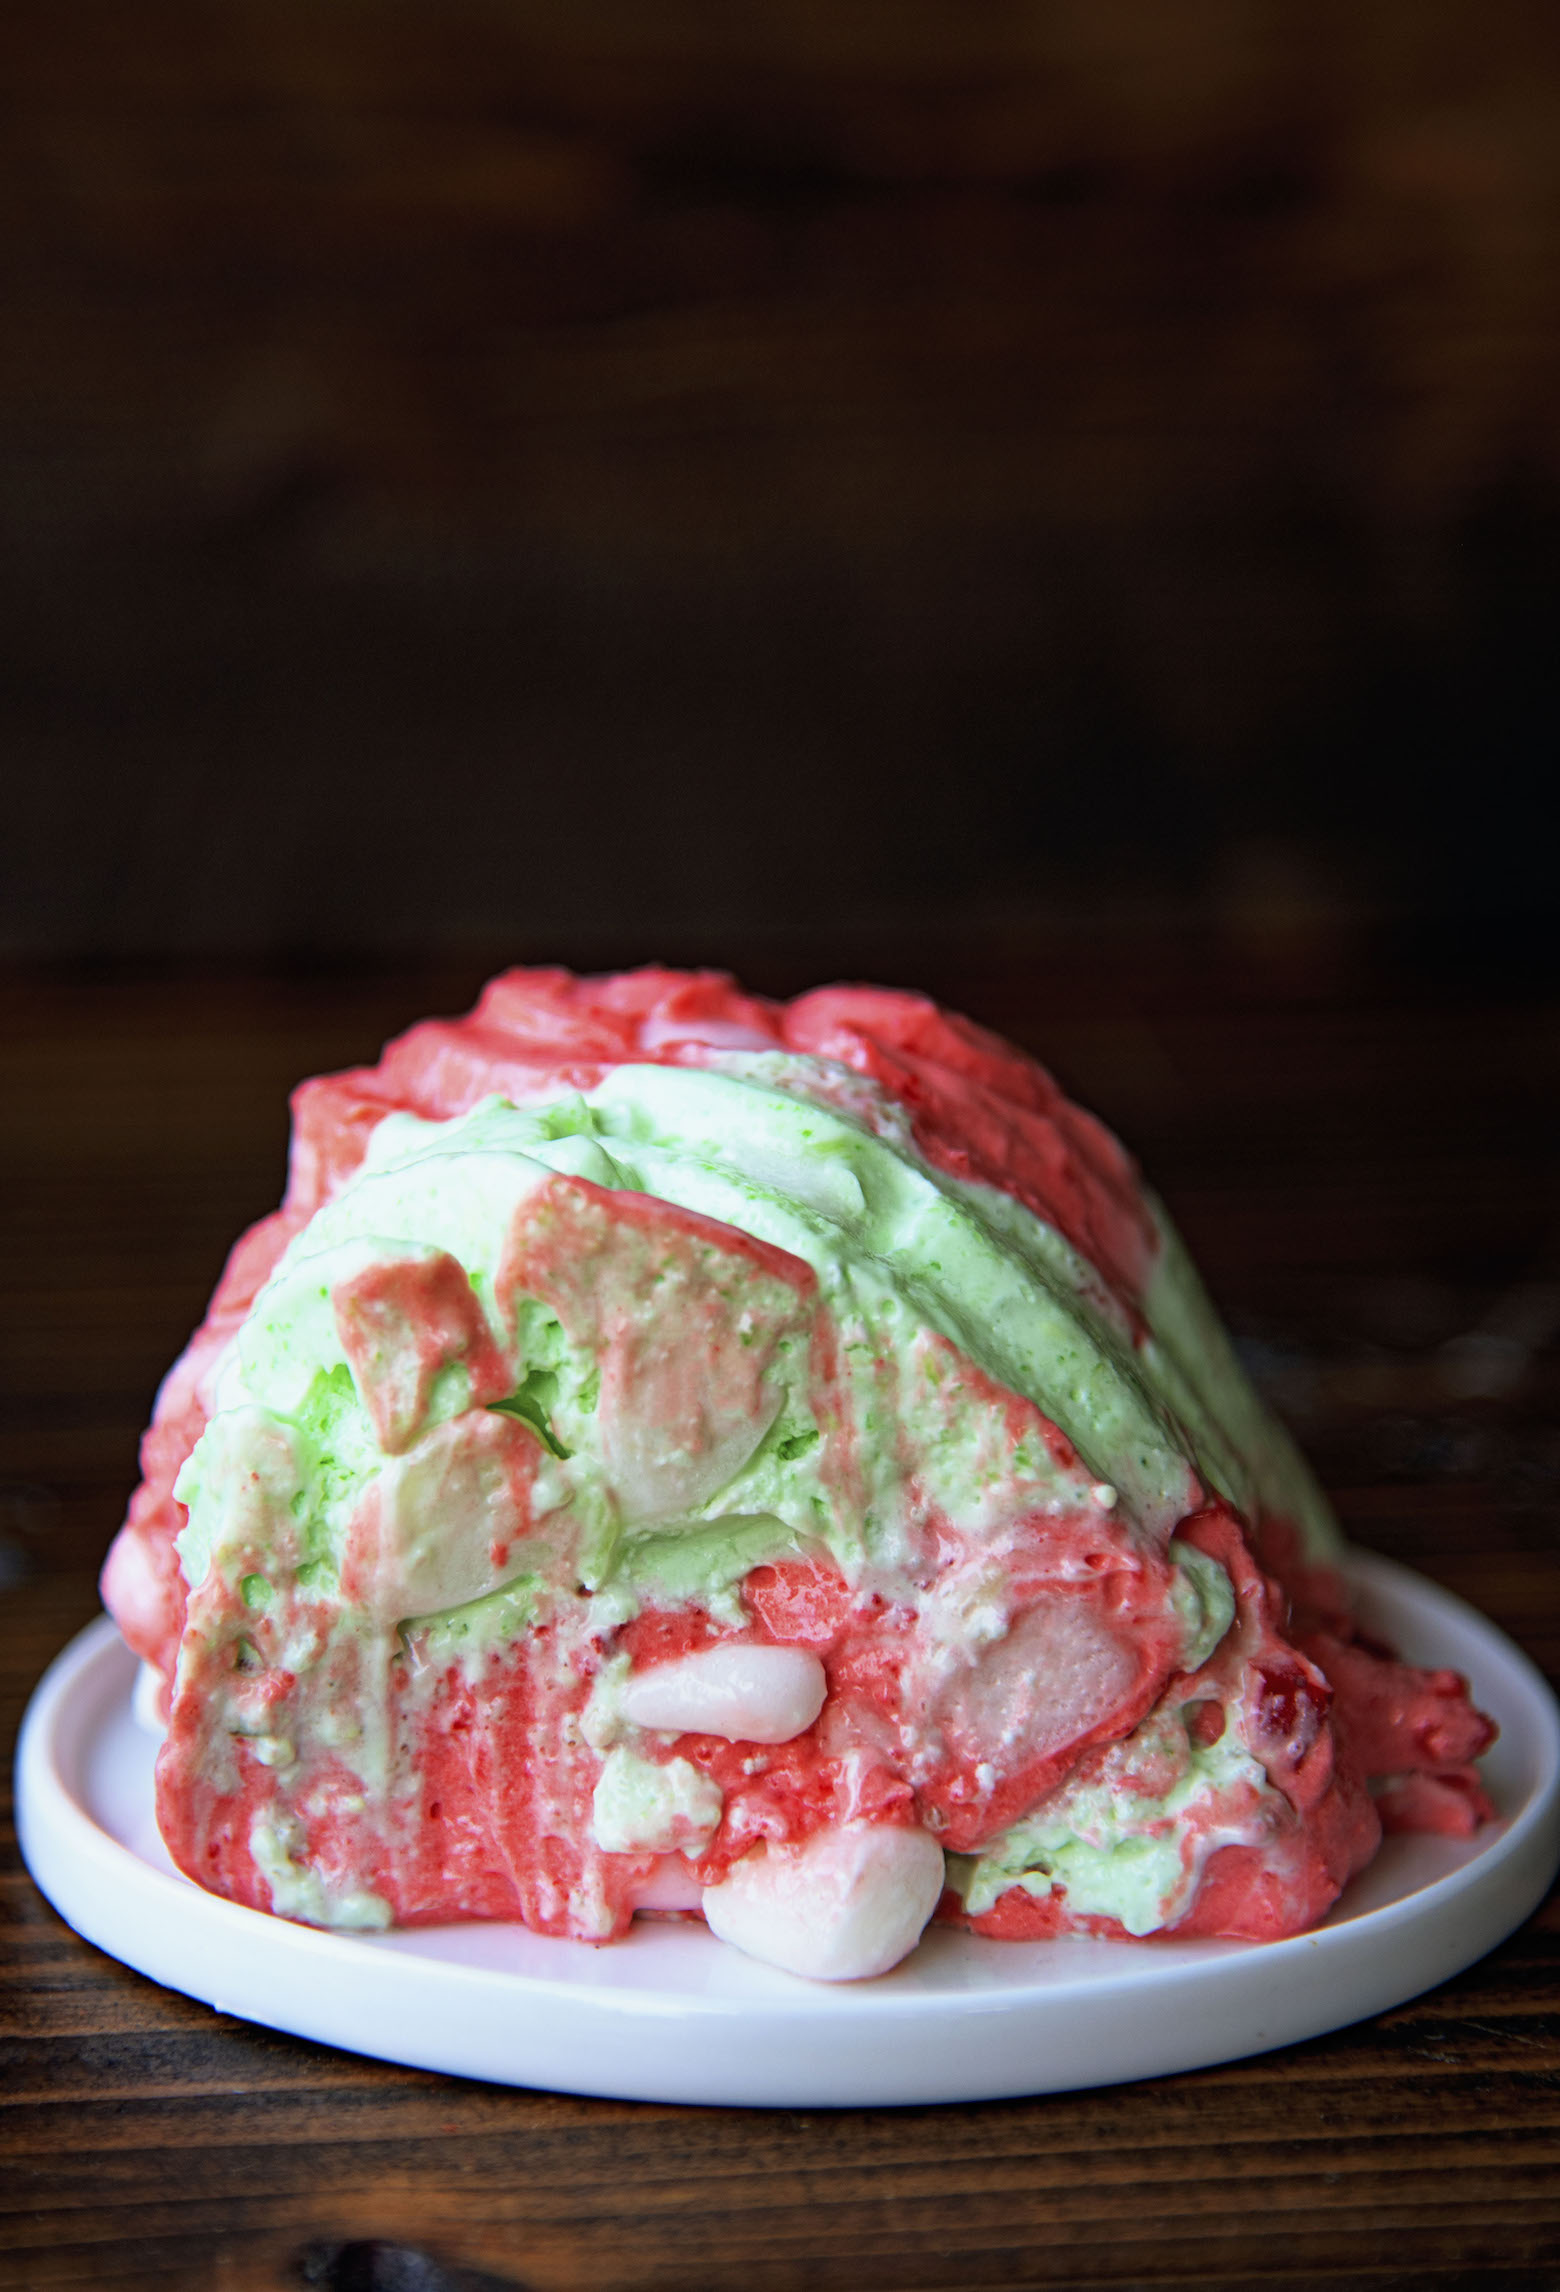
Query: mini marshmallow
[[841, 1906], [747, 1694], [670, 1886]]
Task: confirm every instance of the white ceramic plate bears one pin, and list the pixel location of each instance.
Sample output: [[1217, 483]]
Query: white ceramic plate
[[670, 2014]]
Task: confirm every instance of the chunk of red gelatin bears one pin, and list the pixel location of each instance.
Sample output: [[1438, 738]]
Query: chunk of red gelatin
[[685, 1318], [804, 1602], [1449, 1805], [1396, 1717], [658, 1636], [402, 1322], [982, 1110], [1070, 1672]]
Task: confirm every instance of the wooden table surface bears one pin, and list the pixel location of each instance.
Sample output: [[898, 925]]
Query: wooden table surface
[[1368, 1170]]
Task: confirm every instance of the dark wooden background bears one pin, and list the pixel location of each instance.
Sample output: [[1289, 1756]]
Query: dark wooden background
[[473, 468], [1369, 1168]]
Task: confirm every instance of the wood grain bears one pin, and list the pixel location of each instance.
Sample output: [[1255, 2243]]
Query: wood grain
[[1002, 403], [1369, 1175]]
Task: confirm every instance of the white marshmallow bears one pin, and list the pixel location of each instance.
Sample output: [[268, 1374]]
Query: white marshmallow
[[446, 1510], [747, 1694], [839, 1907], [670, 1886], [665, 1461]]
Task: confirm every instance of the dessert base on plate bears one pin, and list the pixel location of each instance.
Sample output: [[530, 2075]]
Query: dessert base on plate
[[671, 2014]]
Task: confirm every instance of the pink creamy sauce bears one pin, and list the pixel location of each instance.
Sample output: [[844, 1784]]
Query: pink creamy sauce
[[486, 1809]]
